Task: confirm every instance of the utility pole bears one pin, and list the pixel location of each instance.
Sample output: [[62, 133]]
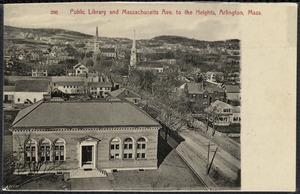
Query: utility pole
[[212, 160], [208, 151], [208, 162]]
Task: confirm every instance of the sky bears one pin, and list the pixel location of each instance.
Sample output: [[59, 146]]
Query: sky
[[200, 27]]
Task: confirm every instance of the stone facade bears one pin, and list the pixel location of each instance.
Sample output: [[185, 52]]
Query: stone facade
[[100, 140]]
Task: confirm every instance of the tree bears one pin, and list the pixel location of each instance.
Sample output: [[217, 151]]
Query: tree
[[89, 63], [34, 167], [89, 54]]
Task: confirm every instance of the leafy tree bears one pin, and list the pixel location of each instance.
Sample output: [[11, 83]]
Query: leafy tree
[[89, 54], [89, 63]]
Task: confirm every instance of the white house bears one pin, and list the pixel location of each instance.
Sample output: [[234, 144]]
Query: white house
[[99, 89], [214, 76], [31, 91], [223, 114], [69, 84]]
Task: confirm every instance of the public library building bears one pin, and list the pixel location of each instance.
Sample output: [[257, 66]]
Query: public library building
[[84, 136]]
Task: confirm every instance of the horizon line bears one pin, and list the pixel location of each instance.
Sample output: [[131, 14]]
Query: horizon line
[[36, 28]]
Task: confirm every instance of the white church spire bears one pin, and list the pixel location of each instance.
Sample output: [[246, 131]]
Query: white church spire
[[133, 52]]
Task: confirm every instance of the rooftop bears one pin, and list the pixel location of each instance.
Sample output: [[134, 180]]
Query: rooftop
[[33, 85], [78, 65], [100, 84], [124, 93], [232, 88], [108, 50], [236, 109], [153, 64], [56, 79], [195, 88], [217, 106], [8, 88], [82, 114]]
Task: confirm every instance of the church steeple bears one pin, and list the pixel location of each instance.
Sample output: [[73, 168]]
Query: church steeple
[[96, 37], [133, 52], [96, 47]]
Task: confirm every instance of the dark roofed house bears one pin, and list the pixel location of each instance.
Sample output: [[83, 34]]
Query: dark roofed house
[[233, 92], [31, 91], [126, 94], [204, 93], [87, 139]]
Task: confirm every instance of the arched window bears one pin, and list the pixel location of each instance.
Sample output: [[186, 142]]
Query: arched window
[[128, 148], [141, 148], [115, 148], [59, 150], [45, 151], [30, 150]]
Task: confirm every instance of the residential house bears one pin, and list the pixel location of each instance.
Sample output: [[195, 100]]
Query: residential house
[[31, 91], [100, 89], [233, 77], [39, 73], [109, 52], [236, 114], [21, 57], [126, 94], [216, 91], [167, 61], [80, 69], [179, 87], [93, 77], [197, 93], [214, 76], [86, 139], [153, 66], [204, 93], [70, 72], [8, 94], [69, 84], [223, 114], [232, 92], [36, 54], [52, 60]]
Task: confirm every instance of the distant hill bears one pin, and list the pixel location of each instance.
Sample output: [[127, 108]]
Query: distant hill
[[193, 42], [46, 32]]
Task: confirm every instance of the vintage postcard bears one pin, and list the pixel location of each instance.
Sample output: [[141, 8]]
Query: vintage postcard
[[121, 96]]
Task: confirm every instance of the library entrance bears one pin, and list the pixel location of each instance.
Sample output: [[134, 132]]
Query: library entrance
[[88, 153]]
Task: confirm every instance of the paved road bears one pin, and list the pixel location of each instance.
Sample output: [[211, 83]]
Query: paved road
[[230, 146], [225, 162]]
